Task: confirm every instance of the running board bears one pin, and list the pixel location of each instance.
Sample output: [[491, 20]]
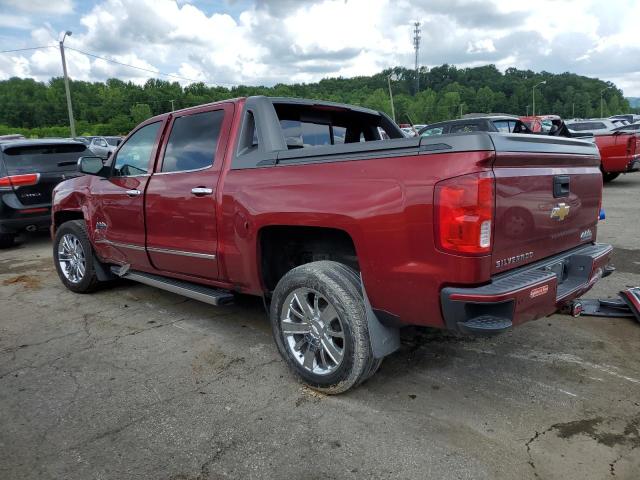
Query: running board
[[212, 296]]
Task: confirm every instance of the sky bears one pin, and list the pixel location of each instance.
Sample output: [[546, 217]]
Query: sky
[[264, 42]]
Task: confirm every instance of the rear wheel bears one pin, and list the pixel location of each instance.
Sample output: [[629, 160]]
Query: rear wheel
[[7, 240], [73, 257], [319, 323], [609, 177]]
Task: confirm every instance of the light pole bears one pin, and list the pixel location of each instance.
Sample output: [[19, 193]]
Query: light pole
[[533, 91], [602, 101], [72, 124], [393, 110]]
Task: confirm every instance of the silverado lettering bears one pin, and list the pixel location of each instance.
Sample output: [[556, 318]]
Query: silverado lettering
[[346, 236]]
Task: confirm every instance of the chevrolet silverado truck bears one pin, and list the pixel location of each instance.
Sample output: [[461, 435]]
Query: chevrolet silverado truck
[[347, 237], [619, 148]]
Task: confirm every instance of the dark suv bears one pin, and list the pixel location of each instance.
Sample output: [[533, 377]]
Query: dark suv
[[29, 169]]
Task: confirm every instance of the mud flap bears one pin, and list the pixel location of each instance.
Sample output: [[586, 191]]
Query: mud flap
[[384, 340]]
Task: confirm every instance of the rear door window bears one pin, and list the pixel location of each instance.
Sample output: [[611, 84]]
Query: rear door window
[[503, 126], [193, 142], [43, 157]]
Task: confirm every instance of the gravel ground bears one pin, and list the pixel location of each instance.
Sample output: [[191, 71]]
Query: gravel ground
[[134, 382]]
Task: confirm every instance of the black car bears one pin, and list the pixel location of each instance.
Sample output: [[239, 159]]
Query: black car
[[29, 170]]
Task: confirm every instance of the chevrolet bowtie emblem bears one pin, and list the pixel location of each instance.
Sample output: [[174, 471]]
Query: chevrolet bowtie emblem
[[560, 212]]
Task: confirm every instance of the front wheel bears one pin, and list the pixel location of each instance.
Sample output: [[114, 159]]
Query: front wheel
[[319, 323], [609, 177], [73, 257]]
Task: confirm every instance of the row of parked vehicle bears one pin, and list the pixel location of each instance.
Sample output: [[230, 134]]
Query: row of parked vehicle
[[617, 137]]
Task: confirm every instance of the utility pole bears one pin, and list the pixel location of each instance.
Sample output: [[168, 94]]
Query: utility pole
[[602, 101], [172, 107], [72, 124], [533, 91], [573, 110], [393, 110], [416, 46], [461, 110], [527, 110]]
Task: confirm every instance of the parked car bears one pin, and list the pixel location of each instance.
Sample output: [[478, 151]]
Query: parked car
[[619, 147], [11, 136], [489, 123], [633, 127], [629, 117], [29, 169], [593, 125], [100, 146], [346, 241]]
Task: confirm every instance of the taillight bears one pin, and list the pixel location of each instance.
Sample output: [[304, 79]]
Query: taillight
[[464, 213], [632, 145], [19, 180]]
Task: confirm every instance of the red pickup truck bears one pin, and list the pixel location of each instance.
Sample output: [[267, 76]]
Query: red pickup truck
[[347, 237], [619, 152]]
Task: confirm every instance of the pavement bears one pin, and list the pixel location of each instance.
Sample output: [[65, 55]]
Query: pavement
[[135, 382]]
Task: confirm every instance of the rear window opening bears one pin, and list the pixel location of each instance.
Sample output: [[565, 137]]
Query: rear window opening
[[305, 126]]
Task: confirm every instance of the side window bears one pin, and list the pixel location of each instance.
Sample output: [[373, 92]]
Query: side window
[[193, 141], [432, 131], [101, 142], [133, 158], [502, 126], [305, 134], [464, 128]]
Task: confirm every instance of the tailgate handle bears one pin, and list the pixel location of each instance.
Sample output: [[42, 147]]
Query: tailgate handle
[[561, 186]]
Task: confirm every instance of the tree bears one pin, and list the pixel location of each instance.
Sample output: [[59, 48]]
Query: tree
[[140, 112]]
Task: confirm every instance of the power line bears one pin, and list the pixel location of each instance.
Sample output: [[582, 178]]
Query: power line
[[28, 48], [141, 68]]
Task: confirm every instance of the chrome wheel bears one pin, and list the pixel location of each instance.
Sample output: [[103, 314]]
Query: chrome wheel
[[71, 258], [312, 331]]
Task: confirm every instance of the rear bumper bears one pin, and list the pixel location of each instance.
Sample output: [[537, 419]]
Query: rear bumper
[[524, 294], [634, 164], [22, 222]]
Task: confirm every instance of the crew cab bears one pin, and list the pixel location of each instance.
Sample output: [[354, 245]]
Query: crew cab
[[29, 169], [346, 236], [619, 148]]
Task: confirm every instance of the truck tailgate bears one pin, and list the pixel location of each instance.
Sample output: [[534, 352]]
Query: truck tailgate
[[548, 193]]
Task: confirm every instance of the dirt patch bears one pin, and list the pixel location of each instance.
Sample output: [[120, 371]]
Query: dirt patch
[[27, 281], [626, 260]]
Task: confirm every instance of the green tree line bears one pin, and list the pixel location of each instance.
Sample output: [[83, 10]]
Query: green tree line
[[115, 107]]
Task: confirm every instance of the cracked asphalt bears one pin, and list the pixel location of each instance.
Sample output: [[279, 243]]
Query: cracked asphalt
[[134, 382]]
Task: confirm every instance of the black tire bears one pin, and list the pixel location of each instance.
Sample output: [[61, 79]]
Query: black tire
[[89, 281], [340, 286], [609, 177], [7, 240]]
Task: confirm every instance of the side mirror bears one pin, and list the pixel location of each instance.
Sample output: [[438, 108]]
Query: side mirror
[[90, 165]]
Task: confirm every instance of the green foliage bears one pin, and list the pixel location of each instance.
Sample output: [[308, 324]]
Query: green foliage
[[115, 107]]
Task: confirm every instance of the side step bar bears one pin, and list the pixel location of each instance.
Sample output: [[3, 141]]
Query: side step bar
[[212, 296]]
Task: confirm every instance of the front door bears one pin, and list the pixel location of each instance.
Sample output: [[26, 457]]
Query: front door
[[118, 222], [181, 199]]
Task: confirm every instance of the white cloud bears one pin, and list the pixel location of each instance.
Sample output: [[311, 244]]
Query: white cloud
[[55, 7], [267, 42]]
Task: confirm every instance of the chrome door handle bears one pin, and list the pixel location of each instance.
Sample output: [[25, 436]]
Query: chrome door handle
[[133, 193], [200, 191]]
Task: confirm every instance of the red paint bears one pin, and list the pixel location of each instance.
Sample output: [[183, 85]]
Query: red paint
[[385, 205], [618, 151]]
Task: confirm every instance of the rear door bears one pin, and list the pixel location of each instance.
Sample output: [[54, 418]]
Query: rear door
[[181, 205], [548, 192], [51, 162]]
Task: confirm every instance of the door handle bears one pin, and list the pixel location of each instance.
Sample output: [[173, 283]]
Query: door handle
[[133, 193], [201, 191]]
